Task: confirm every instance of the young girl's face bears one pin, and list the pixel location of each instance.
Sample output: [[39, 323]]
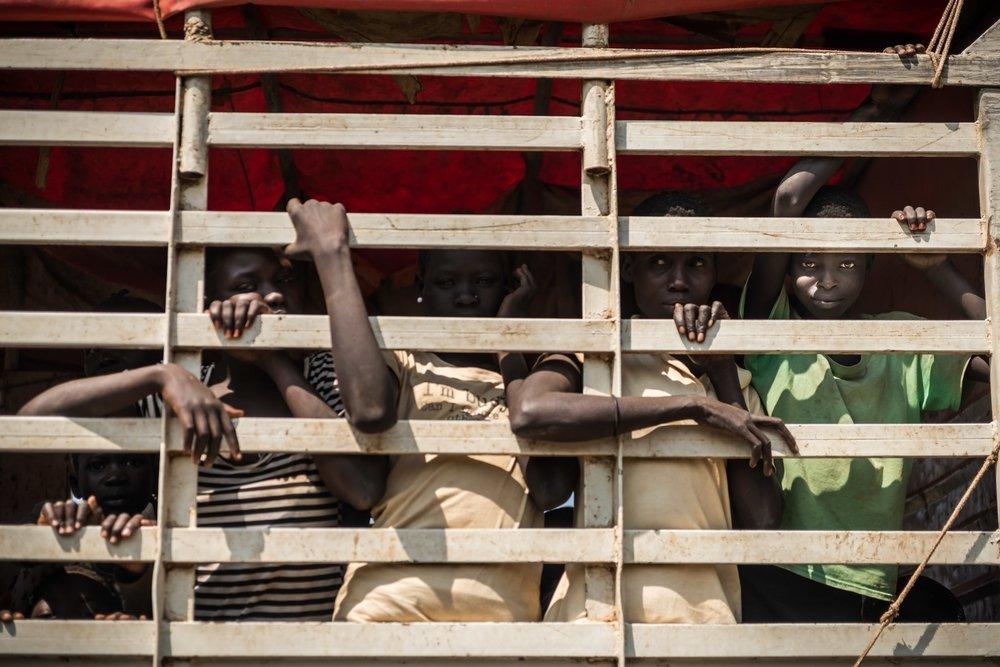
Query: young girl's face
[[664, 279], [262, 271], [463, 283], [827, 284]]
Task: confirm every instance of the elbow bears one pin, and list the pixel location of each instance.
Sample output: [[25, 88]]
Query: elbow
[[365, 496], [787, 199], [372, 419], [525, 420]]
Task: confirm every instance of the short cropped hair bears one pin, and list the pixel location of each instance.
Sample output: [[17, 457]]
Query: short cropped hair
[[833, 201], [671, 203], [506, 260]]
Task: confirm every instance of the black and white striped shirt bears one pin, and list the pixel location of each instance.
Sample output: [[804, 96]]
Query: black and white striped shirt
[[276, 490]]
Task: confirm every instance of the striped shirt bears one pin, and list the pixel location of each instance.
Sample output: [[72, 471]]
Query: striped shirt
[[276, 490]]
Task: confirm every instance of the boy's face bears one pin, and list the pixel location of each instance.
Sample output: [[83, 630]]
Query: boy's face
[[262, 271], [121, 482], [828, 284], [463, 283], [664, 279]]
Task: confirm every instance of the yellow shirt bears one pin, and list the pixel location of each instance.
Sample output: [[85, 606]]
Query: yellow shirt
[[668, 494], [433, 491]]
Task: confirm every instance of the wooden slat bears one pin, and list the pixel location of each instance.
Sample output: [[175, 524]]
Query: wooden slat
[[42, 543], [120, 330], [371, 230], [405, 333], [54, 227], [451, 60], [62, 434], [807, 546], [76, 638], [799, 234], [394, 640], [977, 641], [345, 545], [651, 137], [810, 336], [85, 128], [395, 131]]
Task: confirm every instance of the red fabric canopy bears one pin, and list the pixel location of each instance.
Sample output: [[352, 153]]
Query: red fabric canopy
[[580, 11]]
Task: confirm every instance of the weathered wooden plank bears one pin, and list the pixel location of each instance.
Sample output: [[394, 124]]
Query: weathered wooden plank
[[76, 638], [828, 336], [393, 640], [42, 543], [52, 227], [122, 330], [395, 131], [335, 436], [373, 230], [807, 641], [657, 137], [807, 546], [987, 44], [345, 545], [85, 128], [451, 60], [799, 234], [405, 333]]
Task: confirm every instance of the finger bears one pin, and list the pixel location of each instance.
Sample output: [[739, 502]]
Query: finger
[[919, 48], [215, 428], [765, 450], [132, 525], [107, 525], [899, 216], [96, 513], [240, 309], [215, 313], [47, 517], [701, 324], [253, 310], [690, 318], [528, 275], [679, 318], [82, 514], [718, 313], [911, 217], [203, 435], [293, 206], [118, 527], [227, 318], [187, 423], [229, 432], [782, 429], [921, 218], [889, 49], [911, 50], [70, 521], [931, 215]]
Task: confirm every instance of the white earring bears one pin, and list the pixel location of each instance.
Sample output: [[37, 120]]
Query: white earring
[[420, 299]]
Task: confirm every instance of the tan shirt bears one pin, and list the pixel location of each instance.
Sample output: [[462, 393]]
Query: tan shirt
[[434, 491], [665, 494]]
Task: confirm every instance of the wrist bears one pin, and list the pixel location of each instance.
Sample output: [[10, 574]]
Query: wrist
[[330, 248]]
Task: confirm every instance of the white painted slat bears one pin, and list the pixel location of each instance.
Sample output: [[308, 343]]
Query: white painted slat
[[76, 639], [808, 546], [61, 434], [397, 545], [977, 641], [42, 543], [122, 330], [810, 336], [51, 227], [799, 234], [657, 137], [395, 131], [394, 640], [406, 333], [374, 230], [452, 60], [85, 128]]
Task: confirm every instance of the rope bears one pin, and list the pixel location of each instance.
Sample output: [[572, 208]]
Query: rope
[[159, 19], [940, 43], [893, 611]]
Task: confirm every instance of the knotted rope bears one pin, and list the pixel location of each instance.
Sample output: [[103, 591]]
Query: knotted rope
[[940, 43]]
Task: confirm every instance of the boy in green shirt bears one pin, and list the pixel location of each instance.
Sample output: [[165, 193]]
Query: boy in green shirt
[[843, 493]]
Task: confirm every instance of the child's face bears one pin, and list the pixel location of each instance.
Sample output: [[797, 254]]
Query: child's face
[[257, 270], [463, 283], [664, 279], [121, 482], [828, 284]]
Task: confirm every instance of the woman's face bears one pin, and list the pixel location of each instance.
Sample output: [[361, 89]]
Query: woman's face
[[463, 283], [664, 279], [262, 271]]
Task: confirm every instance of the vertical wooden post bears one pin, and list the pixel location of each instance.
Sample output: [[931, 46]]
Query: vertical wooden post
[[989, 207], [174, 597], [601, 375]]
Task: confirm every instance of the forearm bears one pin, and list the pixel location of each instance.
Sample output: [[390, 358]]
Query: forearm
[[956, 289], [97, 396], [367, 387], [756, 500]]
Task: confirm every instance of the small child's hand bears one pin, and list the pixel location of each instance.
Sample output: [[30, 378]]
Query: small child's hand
[[206, 420], [66, 516], [237, 313], [516, 303], [8, 616], [117, 527], [119, 616], [917, 219], [319, 227], [694, 320], [905, 50]]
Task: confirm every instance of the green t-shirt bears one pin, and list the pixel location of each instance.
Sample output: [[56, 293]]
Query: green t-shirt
[[860, 493]]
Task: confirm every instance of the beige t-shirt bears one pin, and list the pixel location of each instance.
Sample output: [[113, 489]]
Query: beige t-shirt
[[435, 491], [668, 494]]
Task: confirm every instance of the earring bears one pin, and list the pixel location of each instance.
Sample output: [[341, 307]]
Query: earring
[[420, 299]]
